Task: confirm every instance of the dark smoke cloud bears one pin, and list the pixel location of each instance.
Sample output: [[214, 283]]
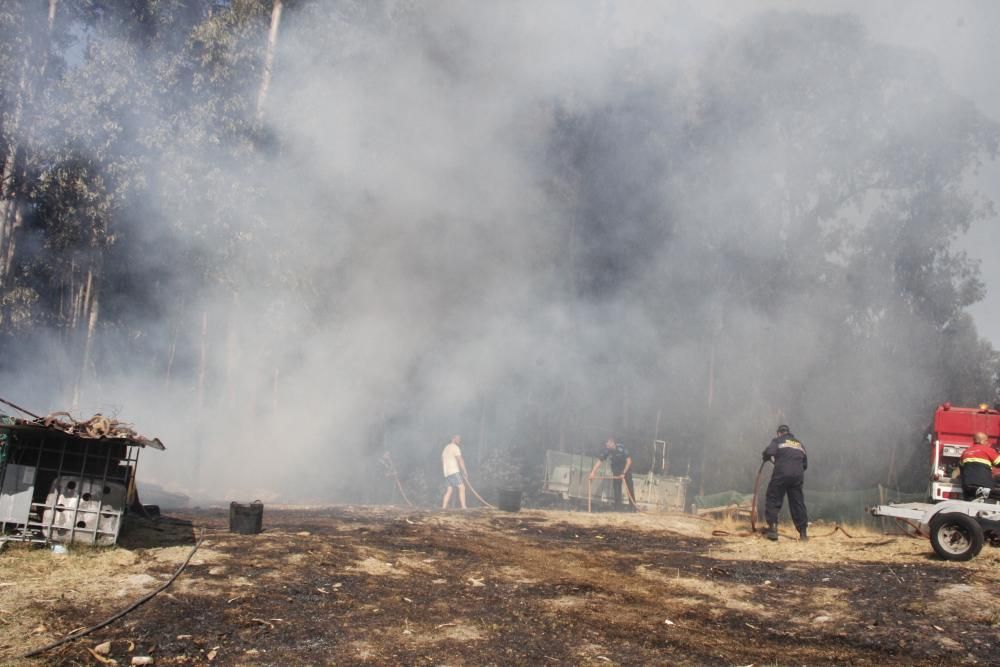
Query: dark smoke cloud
[[551, 222]]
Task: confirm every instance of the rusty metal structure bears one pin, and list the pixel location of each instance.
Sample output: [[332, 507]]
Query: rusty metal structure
[[66, 481], [567, 475]]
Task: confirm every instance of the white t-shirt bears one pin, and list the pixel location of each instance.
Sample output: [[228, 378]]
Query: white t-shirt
[[449, 459]]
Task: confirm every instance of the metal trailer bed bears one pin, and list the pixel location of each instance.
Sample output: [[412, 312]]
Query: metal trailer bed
[[957, 528]]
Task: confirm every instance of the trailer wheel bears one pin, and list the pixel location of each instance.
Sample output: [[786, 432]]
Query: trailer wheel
[[956, 536]]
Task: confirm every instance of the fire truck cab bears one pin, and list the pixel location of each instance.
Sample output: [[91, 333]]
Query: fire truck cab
[[950, 434]]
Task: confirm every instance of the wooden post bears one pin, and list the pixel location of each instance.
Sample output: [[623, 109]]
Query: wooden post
[[881, 501], [656, 436]]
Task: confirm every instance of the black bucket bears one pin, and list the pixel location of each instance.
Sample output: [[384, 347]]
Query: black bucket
[[246, 519], [509, 500]]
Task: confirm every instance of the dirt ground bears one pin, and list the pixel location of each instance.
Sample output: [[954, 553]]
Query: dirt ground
[[390, 586]]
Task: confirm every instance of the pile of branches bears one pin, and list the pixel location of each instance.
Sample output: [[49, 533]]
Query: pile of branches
[[97, 426]]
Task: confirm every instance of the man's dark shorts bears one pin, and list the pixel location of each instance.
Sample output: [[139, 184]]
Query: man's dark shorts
[[455, 479]]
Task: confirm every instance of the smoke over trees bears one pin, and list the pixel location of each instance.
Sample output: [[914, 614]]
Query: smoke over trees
[[538, 225]]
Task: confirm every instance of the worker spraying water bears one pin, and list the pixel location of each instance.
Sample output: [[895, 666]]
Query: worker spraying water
[[621, 470], [790, 463]]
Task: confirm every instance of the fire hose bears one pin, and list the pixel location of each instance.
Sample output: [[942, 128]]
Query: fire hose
[[387, 461], [132, 607], [590, 484], [756, 492], [753, 512], [473, 489], [837, 528], [401, 492]]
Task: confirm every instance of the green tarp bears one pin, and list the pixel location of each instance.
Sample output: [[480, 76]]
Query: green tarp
[[839, 506]]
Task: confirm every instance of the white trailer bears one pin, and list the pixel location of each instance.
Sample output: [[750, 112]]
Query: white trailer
[[957, 528]]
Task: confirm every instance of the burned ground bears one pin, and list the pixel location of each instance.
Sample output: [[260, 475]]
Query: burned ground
[[389, 586]]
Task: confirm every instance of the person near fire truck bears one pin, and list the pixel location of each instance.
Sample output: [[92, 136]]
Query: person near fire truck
[[454, 471], [790, 462], [621, 470], [979, 464]]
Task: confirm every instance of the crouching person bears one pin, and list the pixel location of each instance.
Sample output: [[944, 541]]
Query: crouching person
[[979, 465]]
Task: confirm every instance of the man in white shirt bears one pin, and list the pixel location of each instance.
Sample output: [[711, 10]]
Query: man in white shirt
[[454, 470]]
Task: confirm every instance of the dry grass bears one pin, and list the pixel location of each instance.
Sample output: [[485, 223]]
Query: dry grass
[[404, 571], [33, 578]]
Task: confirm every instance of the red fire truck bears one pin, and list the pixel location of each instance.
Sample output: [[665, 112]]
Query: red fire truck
[[949, 436], [957, 528]]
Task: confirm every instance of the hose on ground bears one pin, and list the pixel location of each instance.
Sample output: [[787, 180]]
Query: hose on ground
[[475, 493], [132, 607]]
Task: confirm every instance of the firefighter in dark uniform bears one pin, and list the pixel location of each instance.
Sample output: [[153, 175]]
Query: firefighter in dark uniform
[[978, 463], [621, 468], [790, 463]]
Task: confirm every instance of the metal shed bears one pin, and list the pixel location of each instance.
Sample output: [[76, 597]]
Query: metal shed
[[61, 483]]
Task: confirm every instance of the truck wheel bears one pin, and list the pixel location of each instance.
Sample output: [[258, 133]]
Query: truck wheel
[[956, 536]]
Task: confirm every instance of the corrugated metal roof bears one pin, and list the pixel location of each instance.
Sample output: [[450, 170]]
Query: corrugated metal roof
[[132, 439]]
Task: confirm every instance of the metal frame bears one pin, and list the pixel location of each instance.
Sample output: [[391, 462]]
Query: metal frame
[[939, 487], [66, 465], [656, 491], [923, 513]]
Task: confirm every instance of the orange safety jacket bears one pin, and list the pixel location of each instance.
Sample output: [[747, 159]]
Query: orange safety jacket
[[983, 454]]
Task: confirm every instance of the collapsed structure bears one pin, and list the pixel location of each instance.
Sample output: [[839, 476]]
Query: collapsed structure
[[67, 481], [567, 476]]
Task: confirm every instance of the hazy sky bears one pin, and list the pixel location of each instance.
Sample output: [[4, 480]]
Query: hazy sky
[[962, 35]]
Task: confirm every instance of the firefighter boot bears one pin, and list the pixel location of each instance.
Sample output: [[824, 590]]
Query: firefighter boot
[[802, 536], [772, 532]]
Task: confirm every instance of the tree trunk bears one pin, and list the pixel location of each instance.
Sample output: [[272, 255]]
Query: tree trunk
[[203, 360], [482, 434], [14, 167], [272, 44], [710, 399], [171, 353], [274, 398], [233, 349], [88, 347], [8, 177]]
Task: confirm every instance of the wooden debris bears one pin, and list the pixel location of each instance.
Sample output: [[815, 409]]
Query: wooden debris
[[103, 648], [100, 658]]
